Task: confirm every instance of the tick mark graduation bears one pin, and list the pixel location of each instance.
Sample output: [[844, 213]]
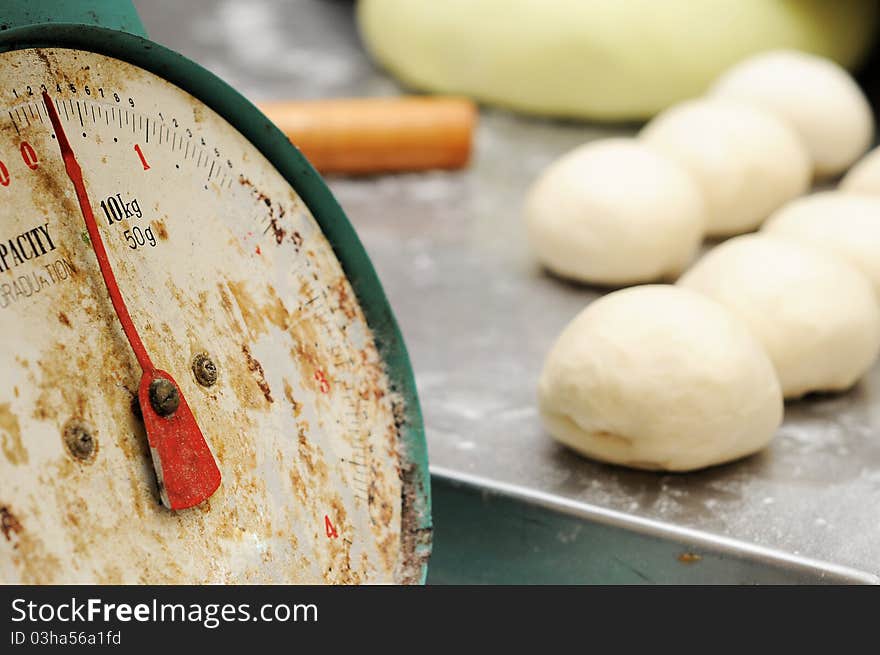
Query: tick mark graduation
[[34, 243]]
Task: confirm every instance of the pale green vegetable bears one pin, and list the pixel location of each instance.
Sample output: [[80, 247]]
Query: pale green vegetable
[[598, 59]]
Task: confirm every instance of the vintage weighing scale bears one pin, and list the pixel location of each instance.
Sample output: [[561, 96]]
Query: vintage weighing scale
[[201, 380]]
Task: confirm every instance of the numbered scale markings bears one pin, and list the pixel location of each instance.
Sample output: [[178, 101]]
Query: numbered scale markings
[[235, 292]]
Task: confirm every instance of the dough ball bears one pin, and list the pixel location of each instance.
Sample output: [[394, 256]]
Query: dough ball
[[614, 212], [864, 177], [815, 315], [597, 59], [846, 224], [818, 97], [659, 377], [747, 162]]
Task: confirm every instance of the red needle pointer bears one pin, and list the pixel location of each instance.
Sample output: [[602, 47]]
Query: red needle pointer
[[184, 464]]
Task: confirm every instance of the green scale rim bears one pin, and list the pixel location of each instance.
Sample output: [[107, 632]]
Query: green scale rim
[[300, 174]]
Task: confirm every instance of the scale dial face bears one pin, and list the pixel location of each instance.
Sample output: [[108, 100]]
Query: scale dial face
[[224, 271]]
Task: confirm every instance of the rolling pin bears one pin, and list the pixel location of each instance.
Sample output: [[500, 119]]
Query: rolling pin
[[378, 135]]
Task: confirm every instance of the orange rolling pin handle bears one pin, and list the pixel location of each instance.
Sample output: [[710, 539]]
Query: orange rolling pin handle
[[376, 135]]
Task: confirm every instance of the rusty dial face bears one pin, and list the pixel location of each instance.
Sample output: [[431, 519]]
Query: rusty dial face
[[235, 292]]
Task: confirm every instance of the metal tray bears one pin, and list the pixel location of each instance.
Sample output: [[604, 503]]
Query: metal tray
[[478, 316]]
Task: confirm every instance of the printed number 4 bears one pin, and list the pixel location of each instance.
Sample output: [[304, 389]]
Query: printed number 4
[[329, 528]]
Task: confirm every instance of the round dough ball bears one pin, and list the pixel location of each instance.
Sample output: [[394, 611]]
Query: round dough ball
[[846, 224], [661, 378], [864, 177], [614, 212], [747, 162], [597, 59], [819, 98], [815, 315]]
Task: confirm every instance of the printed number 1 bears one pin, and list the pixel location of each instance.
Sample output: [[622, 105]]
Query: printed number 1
[[329, 529], [137, 149]]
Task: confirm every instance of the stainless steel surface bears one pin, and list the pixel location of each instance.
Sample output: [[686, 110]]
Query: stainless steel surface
[[478, 315]]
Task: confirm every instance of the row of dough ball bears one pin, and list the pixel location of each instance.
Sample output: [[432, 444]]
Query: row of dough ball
[[625, 211], [691, 375], [680, 377], [653, 376]]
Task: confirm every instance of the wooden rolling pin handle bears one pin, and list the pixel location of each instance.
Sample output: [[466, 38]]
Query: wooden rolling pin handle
[[376, 135]]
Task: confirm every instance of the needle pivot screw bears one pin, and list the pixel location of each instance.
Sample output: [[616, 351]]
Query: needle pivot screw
[[164, 397]]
